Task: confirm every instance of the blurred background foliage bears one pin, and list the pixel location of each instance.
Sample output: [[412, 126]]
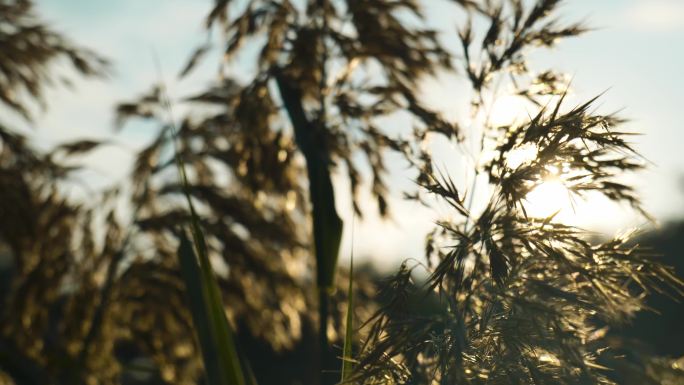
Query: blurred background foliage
[[90, 290]]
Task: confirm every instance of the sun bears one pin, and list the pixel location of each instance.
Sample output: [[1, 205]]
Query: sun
[[551, 196], [591, 211], [507, 109]]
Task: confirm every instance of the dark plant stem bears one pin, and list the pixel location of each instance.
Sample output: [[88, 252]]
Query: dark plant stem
[[327, 225]]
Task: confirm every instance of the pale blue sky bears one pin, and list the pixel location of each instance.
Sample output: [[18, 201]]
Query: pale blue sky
[[637, 52]]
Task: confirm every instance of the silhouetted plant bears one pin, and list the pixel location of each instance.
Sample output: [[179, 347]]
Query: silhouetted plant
[[324, 108], [97, 294], [51, 290], [523, 299], [313, 54]]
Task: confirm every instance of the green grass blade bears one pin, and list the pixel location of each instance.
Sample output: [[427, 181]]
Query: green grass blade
[[197, 299], [221, 359], [347, 364], [327, 225], [219, 351], [250, 379]]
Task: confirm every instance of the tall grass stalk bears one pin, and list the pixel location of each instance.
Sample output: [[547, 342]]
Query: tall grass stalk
[[223, 365], [347, 363]]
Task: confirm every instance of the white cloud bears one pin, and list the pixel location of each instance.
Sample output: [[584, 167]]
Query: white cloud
[[656, 15]]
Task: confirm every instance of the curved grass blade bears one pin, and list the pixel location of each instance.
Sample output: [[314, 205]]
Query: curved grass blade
[[221, 360], [204, 319], [223, 365], [347, 364]]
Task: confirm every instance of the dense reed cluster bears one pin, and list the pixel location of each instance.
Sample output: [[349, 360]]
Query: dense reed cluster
[[113, 291], [521, 300]]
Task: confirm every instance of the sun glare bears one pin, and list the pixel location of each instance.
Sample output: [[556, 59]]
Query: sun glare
[[548, 198], [521, 155], [593, 211], [507, 109]]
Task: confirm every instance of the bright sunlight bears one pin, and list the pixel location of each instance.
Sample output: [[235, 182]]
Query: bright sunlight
[[553, 197], [549, 197]]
